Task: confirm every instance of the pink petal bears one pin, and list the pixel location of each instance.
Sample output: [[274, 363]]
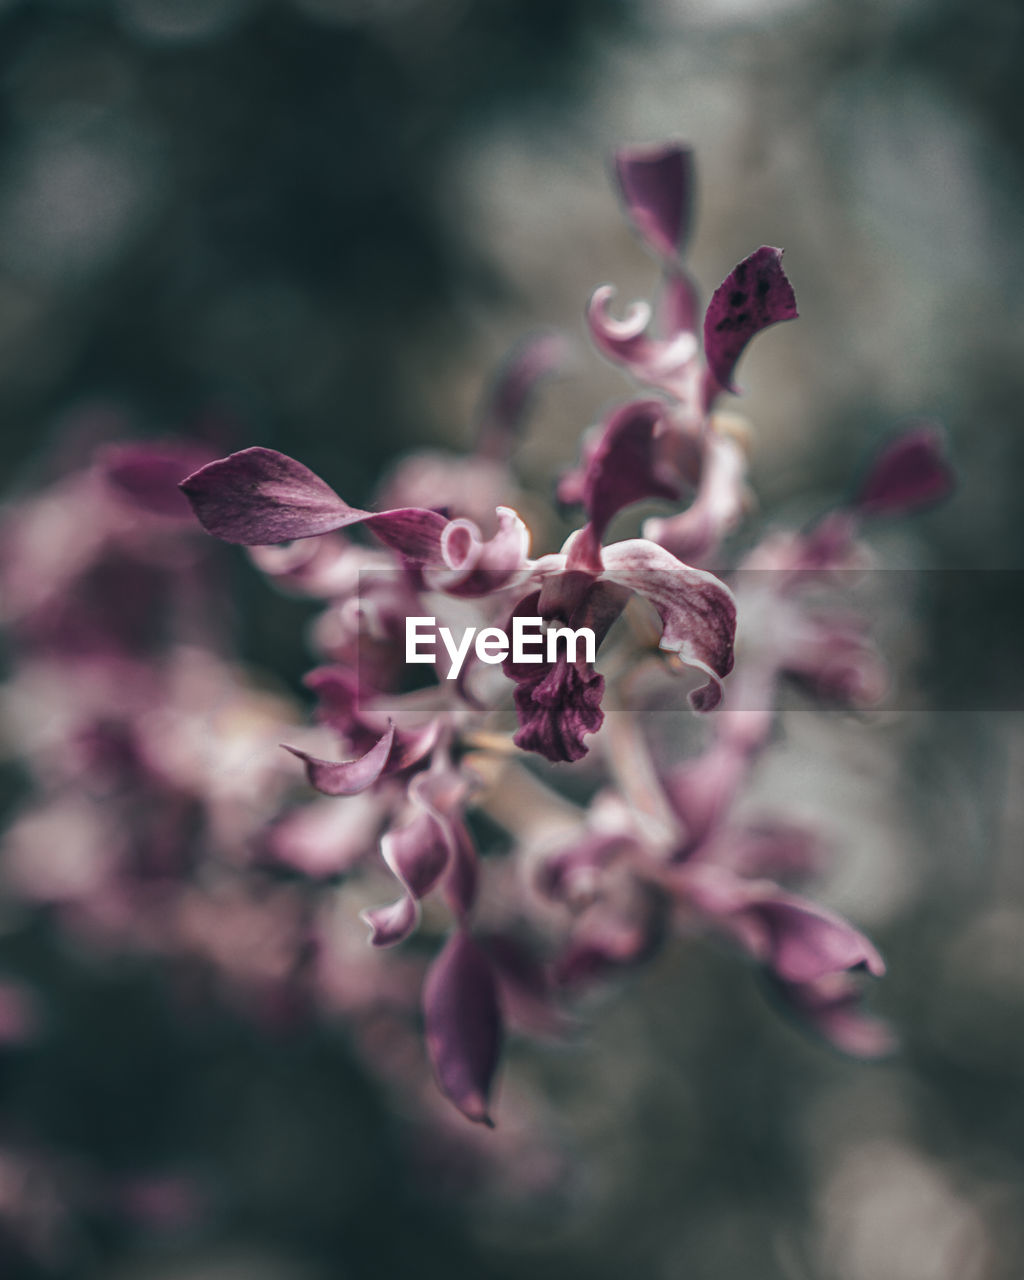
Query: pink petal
[[348, 777], [697, 611]]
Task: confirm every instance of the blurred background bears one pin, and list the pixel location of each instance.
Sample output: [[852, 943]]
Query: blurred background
[[317, 225]]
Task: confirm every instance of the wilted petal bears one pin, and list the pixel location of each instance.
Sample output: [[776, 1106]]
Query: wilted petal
[[348, 777], [260, 496], [911, 472], [697, 611], [463, 1025], [557, 707], [753, 296], [657, 184], [505, 406]]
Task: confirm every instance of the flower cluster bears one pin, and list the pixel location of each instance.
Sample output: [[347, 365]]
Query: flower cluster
[[659, 848]]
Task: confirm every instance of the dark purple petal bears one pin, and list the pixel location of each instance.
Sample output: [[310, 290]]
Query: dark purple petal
[[500, 417], [697, 611], [657, 185], [462, 880], [260, 496], [557, 707], [624, 466], [911, 472], [149, 475], [463, 1025], [753, 296], [348, 777]]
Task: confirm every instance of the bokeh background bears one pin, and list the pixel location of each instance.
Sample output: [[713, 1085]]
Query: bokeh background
[[316, 225]]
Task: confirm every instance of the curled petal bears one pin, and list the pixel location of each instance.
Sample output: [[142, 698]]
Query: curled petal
[[418, 854], [474, 567], [753, 296], [392, 924], [463, 1025], [657, 185], [697, 611], [659, 362], [260, 496], [348, 777], [911, 472], [501, 415], [720, 503]]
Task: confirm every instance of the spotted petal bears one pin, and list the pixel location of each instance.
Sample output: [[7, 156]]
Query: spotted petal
[[754, 295]]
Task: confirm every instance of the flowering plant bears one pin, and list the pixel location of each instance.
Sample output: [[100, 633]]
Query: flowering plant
[[659, 847]]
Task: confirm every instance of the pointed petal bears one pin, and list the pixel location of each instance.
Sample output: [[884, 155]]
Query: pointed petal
[[260, 496], [348, 777], [753, 296], [657, 185], [697, 611], [911, 472], [463, 1025]]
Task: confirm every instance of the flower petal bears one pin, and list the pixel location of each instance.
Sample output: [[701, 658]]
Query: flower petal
[[754, 295], [832, 1007], [720, 503], [148, 475], [805, 942], [665, 362], [463, 1025], [507, 401], [911, 472], [418, 854], [657, 185], [348, 777], [697, 611], [260, 496]]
